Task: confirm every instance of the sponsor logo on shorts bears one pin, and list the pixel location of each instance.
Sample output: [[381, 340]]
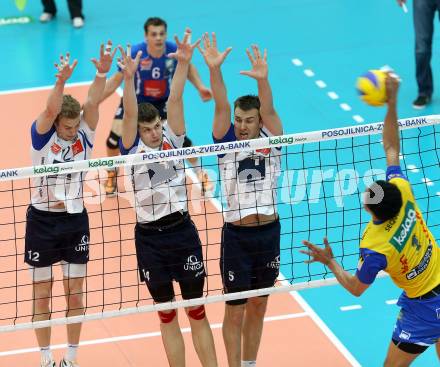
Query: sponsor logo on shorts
[[402, 234], [83, 245], [438, 313], [193, 264], [404, 335], [275, 264]]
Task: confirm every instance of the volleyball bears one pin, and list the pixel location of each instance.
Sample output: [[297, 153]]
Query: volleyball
[[371, 87]]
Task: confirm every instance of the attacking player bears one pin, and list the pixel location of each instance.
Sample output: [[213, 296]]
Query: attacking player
[[398, 241], [168, 246], [250, 246], [152, 84], [57, 225]]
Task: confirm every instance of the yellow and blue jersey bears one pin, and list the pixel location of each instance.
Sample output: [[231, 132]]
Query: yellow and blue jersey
[[402, 246]]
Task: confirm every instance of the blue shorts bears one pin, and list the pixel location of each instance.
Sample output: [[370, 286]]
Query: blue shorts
[[418, 321], [250, 257], [170, 253], [54, 236]]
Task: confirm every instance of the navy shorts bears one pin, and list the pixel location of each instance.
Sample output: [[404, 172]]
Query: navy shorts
[[170, 253], [160, 105], [54, 236], [250, 257]]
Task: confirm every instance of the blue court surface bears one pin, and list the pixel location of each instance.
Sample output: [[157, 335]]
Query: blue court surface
[[316, 49]]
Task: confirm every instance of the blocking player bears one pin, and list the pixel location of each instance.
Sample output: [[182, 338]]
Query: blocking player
[[250, 247], [398, 241], [167, 243], [152, 85], [57, 226]]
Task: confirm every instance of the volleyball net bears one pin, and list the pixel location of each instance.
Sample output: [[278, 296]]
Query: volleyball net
[[321, 180]]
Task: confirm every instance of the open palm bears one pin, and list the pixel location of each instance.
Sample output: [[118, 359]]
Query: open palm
[[185, 49], [127, 64], [259, 69], [213, 57]]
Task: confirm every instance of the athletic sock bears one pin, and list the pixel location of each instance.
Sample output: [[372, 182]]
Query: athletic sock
[[72, 349], [248, 363], [46, 353]]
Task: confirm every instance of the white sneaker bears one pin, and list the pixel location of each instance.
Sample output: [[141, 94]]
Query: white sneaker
[[78, 22], [47, 363], [65, 363], [46, 17]]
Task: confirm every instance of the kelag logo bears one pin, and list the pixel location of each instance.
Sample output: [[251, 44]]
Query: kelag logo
[[101, 163], [401, 236]]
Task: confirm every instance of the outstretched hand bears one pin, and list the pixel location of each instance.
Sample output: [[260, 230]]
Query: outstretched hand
[[64, 68], [127, 64], [392, 82], [317, 254], [106, 55], [185, 49], [259, 69], [213, 57]]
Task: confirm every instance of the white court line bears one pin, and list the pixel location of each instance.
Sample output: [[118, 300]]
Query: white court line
[[332, 95], [321, 324], [412, 168], [309, 73], [358, 118], [427, 181], [142, 335], [320, 84], [298, 298], [345, 106], [350, 308], [297, 62], [391, 301]]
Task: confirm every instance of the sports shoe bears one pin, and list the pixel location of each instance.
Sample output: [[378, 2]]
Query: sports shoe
[[45, 362], [110, 184], [46, 17], [64, 363], [421, 102], [78, 22], [205, 181]]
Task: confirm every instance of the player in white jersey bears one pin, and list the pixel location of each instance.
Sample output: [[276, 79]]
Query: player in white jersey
[[57, 227], [167, 242], [250, 247]]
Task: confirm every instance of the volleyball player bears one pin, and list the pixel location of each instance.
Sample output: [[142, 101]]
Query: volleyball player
[[398, 241], [57, 227], [250, 246], [167, 242], [152, 81]]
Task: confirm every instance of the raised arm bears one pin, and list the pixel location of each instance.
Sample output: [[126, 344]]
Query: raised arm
[[214, 59], [391, 137], [53, 106], [112, 84], [130, 122], [194, 77], [260, 73], [94, 97], [183, 55]]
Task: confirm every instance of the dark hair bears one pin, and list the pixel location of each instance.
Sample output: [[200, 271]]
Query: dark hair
[[70, 108], [391, 202], [147, 112], [154, 21], [247, 103]]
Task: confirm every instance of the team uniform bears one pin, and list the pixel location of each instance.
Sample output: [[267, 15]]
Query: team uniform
[[250, 256], [152, 85], [406, 249], [56, 234], [167, 243]]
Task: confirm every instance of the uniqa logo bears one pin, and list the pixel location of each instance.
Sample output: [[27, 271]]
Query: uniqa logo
[[101, 163], [401, 236], [83, 245], [192, 263]]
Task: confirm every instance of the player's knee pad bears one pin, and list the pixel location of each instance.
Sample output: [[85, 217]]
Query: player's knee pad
[[197, 313], [167, 317], [113, 140]]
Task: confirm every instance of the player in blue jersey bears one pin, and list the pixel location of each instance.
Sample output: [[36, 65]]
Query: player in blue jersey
[[57, 225], [397, 241], [152, 85]]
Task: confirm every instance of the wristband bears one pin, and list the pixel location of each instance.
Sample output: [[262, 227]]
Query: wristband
[[101, 75]]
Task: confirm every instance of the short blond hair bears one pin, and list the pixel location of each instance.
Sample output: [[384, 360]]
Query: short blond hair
[[70, 108]]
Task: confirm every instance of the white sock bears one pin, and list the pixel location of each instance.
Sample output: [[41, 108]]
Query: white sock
[[248, 363], [72, 349], [46, 353]]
